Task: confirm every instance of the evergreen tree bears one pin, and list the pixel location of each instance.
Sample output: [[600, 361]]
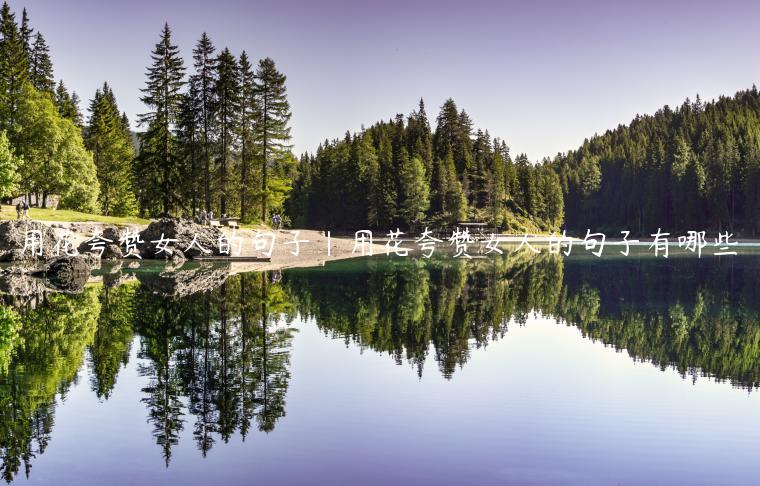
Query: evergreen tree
[[272, 132], [110, 143], [157, 166], [247, 123], [395, 186], [41, 67], [68, 104], [202, 83], [226, 112], [414, 191], [14, 70], [188, 139], [455, 200], [26, 32]]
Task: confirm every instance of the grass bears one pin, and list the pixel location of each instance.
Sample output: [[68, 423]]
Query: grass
[[66, 215]]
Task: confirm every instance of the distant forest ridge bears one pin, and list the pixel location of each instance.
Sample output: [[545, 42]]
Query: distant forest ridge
[[403, 173], [695, 167]]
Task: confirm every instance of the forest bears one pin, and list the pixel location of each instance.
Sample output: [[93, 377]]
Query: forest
[[402, 173], [695, 167], [215, 136], [214, 139]]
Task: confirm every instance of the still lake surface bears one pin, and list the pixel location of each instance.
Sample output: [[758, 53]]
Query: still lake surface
[[516, 369]]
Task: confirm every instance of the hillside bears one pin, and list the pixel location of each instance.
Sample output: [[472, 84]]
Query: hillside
[[695, 167]]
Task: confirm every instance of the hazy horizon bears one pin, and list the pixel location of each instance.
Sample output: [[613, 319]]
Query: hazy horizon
[[543, 76]]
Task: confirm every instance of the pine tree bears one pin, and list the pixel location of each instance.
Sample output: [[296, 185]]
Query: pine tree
[[272, 132], [226, 111], [41, 67], [110, 143], [188, 135], [414, 191], [202, 82], [420, 139], [496, 192], [68, 104], [456, 200], [14, 70], [26, 32], [158, 163], [247, 127]]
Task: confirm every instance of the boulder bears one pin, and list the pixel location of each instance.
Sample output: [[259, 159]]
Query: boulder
[[184, 232], [68, 273], [17, 280], [189, 279], [13, 239], [111, 250]]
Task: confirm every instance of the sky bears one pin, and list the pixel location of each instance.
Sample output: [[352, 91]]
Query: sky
[[541, 75]]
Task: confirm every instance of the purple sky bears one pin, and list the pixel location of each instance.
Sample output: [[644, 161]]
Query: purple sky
[[542, 75]]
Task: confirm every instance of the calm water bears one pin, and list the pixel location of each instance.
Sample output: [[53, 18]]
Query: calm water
[[512, 370]]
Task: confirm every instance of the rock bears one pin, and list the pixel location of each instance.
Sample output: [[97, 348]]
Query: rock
[[111, 249], [68, 273], [184, 232], [13, 239], [186, 281], [17, 280]]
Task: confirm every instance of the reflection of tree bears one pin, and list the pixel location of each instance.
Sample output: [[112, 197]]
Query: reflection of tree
[[656, 312], [47, 349], [159, 321], [403, 306], [219, 359], [271, 357], [110, 349], [221, 350], [699, 317]]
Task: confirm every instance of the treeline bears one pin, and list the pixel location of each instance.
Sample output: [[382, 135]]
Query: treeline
[[218, 140], [696, 167], [400, 172]]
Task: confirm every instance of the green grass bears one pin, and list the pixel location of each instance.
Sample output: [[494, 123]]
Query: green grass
[[66, 215]]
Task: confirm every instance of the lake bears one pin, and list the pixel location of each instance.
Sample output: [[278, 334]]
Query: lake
[[516, 369]]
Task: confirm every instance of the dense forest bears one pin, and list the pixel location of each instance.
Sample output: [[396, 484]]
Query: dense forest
[[401, 172], [695, 167]]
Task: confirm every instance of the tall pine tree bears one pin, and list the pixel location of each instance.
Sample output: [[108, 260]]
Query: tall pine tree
[[41, 67], [272, 132], [157, 167], [202, 82], [226, 110]]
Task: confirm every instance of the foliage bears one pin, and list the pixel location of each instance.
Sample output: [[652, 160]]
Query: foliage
[[399, 173], [8, 168], [695, 167], [108, 137]]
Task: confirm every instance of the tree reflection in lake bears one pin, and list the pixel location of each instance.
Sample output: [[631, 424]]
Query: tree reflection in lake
[[217, 359], [215, 349]]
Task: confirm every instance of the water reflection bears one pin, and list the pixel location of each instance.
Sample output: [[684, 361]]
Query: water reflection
[[215, 349]]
